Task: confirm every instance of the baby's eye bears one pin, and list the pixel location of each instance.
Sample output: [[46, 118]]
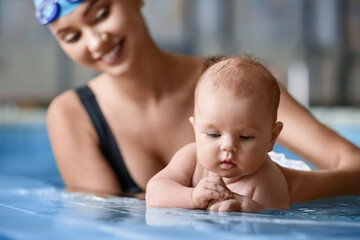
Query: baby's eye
[[102, 13], [71, 37], [245, 137], [213, 135]]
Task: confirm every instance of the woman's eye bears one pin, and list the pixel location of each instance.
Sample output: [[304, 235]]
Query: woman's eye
[[102, 13], [244, 137], [213, 135], [71, 37]]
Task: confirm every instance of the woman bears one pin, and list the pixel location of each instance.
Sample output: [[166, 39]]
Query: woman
[[144, 97]]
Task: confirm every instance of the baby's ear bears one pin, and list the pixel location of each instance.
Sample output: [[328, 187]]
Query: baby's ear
[[275, 134], [192, 121]]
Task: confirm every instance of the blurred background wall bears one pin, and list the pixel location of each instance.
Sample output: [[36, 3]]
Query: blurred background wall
[[313, 46]]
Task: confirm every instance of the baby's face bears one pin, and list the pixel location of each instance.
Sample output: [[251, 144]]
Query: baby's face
[[233, 134]]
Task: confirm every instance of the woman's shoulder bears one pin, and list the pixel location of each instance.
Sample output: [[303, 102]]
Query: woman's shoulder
[[66, 108], [67, 101]]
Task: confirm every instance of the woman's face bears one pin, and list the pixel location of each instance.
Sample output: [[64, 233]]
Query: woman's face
[[104, 35]]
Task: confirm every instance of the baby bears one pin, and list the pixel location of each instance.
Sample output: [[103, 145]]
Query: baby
[[228, 167]]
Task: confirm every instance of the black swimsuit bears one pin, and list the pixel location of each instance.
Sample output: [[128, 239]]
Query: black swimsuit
[[107, 141]]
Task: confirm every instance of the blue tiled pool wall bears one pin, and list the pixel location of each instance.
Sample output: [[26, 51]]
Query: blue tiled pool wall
[[25, 150]]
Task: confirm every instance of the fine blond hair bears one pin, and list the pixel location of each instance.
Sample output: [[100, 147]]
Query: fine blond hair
[[240, 76]]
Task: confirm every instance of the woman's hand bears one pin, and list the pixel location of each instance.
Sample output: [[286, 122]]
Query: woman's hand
[[210, 188]]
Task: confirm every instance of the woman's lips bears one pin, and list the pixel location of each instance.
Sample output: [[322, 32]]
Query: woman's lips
[[114, 54], [227, 164]]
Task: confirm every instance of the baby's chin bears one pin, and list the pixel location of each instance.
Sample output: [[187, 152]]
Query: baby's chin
[[227, 174]]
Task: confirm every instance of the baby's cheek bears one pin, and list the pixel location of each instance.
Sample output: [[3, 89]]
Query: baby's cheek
[[252, 165]]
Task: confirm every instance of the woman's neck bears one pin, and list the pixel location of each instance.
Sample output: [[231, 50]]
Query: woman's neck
[[156, 74]]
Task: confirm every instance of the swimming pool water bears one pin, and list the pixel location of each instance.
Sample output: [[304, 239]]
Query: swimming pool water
[[33, 209], [34, 205], [25, 150]]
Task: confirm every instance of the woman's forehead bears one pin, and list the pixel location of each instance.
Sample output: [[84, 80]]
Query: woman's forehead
[[73, 18]]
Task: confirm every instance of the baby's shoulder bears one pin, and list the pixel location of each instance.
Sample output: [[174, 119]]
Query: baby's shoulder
[[269, 168], [188, 151]]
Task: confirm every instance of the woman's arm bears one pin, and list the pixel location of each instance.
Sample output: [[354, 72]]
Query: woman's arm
[[338, 159], [75, 146]]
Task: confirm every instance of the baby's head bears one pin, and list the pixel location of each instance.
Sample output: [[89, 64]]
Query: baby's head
[[236, 101], [239, 77]]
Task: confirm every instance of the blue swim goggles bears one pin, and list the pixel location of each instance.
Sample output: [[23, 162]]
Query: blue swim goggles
[[48, 10]]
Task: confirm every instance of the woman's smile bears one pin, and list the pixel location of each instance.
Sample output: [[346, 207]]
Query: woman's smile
[[113, 55]]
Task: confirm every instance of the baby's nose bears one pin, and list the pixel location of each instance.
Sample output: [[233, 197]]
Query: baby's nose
[[229, 145]]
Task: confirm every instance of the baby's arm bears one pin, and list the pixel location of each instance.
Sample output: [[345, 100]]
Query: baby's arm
[[172, 186], [269, 191]]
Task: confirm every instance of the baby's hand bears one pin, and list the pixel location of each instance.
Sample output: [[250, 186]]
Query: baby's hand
[[237, 203], [209, 188]]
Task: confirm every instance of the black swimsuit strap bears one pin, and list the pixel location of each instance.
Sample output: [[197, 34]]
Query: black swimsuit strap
[[108, 144]]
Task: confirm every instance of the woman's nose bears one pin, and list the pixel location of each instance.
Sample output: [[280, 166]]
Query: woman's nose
[[228, 144], [96, 40]]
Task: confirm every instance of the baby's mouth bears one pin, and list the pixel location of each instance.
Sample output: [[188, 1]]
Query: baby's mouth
[[227, 164]]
